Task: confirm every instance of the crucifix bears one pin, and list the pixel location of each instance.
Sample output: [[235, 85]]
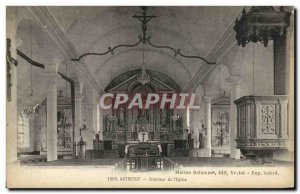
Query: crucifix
[[9, 61], [144, 18]]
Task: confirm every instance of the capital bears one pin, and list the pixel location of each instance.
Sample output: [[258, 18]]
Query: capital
[[96, 97], [210, 92], [207, 99], [51, 77]]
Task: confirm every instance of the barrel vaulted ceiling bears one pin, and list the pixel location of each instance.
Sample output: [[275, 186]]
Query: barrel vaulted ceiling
[[195, 30], [201, 31]]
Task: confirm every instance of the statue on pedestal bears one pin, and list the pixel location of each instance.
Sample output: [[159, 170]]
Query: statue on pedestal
[[163, 117], [121, 116]]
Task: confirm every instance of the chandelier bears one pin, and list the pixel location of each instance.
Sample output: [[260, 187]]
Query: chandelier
[[143, 77]]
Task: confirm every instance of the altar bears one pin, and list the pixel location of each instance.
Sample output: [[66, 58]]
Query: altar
[[143, 156], [143, 136], [123, 126]]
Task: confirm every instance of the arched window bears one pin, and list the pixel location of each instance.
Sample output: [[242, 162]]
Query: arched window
[[23, 130]]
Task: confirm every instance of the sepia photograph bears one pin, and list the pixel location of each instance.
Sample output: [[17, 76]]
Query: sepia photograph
[[116, 97]]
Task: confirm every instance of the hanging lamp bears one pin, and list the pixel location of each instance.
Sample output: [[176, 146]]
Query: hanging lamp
[[143, 77]]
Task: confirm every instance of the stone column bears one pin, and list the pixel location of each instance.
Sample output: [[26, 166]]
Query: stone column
[[190, 125], [89, 118], [194, 129], [281, 65], [207, 121], [234, 94], [101, 126], [95, 118], [78, 115], [51, 74], [11, 104], [95, 111], [185, 119]]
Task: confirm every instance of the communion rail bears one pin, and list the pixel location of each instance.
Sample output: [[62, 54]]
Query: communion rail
[[146, 163]]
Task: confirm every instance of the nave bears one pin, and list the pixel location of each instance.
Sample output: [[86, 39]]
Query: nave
[[62, 61]]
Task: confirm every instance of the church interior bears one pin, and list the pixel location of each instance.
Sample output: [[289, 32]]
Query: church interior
[[236, 60]]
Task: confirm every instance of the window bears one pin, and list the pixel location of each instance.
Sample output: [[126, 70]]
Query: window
[[23, 131]]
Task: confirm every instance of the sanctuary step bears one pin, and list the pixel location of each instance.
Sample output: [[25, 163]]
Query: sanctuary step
[[93, 154]]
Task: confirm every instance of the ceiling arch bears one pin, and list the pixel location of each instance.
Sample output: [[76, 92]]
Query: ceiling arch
[[129, 78], [216, 82], [107, 75], [33, 42], [196, 30], [136, 29], [124, 52]]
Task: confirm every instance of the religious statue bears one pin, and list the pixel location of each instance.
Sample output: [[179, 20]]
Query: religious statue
[[142, 116], [202, 134], [189, 140], [178, 124], [121, 116], [108, 123], [61, 121], [203, 128], [163, 117]]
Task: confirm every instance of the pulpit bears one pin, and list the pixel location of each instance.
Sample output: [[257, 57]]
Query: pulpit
[[262, 126]]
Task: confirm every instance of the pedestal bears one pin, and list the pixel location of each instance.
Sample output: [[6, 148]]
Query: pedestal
[[81, 147]]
